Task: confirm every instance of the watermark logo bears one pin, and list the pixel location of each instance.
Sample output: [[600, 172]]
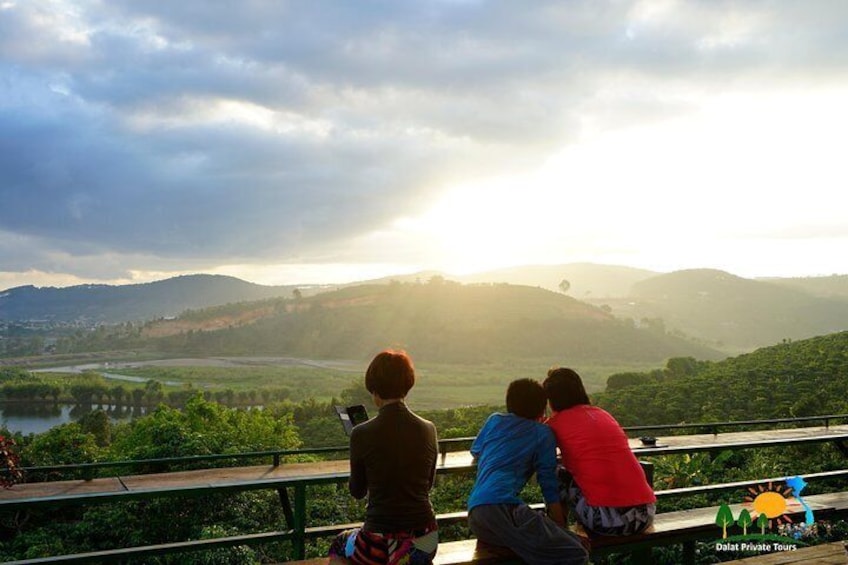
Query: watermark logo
[[765, 519]]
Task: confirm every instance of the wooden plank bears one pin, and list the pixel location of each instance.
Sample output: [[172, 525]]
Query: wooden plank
[[179, 482], [229, 475], [836, 500], [738, 440], [829, 553], [61, 488], [469, 551], [450, 553]]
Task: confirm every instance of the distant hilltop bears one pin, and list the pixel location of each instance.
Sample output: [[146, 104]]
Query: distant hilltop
[[134, 302], [715, 308]]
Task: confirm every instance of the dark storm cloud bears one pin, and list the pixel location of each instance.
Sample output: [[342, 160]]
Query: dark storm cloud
[[112, 138]]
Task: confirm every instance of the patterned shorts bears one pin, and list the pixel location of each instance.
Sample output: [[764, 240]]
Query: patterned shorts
[[413, 547], [604, 520]]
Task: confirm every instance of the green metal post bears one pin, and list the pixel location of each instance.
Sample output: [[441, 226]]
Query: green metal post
[[287, 507], [648, 468], [689, 552], [300, 520]]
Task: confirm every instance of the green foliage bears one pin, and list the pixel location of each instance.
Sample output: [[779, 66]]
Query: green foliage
[[619, 381], [202, 428], [787, 380], [459, 422], [239, 555], [689, 469], [677, 367], [356, 393], [97, 424], [15, 374], [61, 445]]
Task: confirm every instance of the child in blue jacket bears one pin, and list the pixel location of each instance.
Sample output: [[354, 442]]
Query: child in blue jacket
[[509, 449]]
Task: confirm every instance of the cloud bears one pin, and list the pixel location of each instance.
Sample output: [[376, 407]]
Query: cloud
[[151, 134]]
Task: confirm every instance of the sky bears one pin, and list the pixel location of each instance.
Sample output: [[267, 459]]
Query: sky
[[294, 142]]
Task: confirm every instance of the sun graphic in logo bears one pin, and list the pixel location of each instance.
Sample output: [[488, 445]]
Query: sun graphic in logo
[[770, 500]]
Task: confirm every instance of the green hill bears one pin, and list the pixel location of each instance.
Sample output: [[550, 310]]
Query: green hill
[[734, 312], [439, 321], [834, 286], [803, 378]]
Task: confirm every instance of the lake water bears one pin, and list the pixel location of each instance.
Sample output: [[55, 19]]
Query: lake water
[[38, 418]]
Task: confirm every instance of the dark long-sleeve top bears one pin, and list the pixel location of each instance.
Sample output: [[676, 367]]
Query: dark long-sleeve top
[[393, 460]]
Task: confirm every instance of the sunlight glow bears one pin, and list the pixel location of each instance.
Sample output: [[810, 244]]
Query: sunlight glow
[[684, 191]]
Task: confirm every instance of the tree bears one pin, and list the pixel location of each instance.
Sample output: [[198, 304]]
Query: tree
[[64, 444], [356, 393], [97, 424], [118, 393], [681, 366], [564, 286], [744, 521], [762, 522], [724, 518], [623, 380], [153, 392], [297, 294], [204, 427]]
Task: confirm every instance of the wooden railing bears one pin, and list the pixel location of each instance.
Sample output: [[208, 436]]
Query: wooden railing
[[445, 446], [295, 509]]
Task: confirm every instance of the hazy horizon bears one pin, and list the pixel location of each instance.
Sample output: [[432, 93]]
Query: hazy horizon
[[331, 142], [457, 276]]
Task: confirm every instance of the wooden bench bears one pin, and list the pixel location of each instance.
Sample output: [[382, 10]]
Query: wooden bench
[[681, 527], [685, 526]]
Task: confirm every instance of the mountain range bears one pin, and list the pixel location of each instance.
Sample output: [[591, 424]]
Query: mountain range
[[716, 308], [133, 302]]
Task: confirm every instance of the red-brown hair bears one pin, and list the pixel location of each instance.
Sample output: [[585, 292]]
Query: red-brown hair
[[390, 374]]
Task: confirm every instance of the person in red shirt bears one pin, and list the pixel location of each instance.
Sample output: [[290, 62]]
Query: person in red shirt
[[601, 480]]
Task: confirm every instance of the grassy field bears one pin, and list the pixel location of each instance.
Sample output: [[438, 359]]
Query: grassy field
[[438, 385]]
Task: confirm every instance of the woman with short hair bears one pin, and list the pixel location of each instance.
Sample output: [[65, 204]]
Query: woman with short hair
[[392, 460]]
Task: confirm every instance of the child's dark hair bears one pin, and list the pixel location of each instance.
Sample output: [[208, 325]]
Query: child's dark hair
[[526, 398], [565, 389]]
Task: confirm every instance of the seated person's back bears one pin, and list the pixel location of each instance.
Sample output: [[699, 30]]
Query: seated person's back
[[393, 459], [509, 449], [603, 482], [393, 462]]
